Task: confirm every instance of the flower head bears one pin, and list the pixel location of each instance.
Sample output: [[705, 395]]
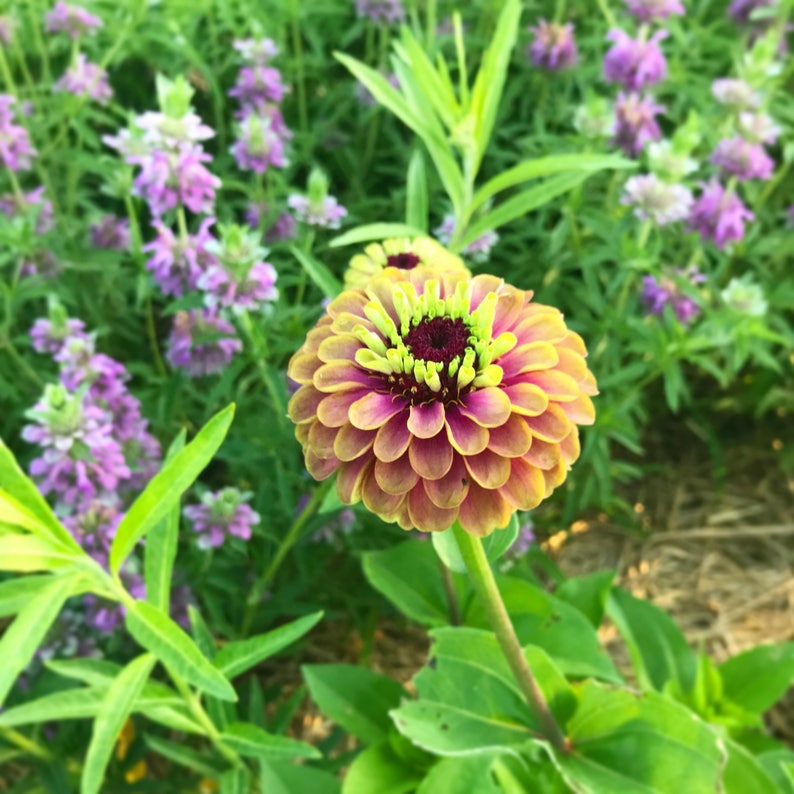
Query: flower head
[[257, 86], [759, 127], [221, 514], [386, 11], [735, 93], [439, 397], [261, 142], [478, 250], [401, 253], [202, 342], [325, 212], [553, 47], [654, 10], [635, 122], [256, 51], [671, 289], [635, 63], [85, 79], [743, 159], [51, 334], [73, 20], [719, 214], [16, 150], [111, 232], [742, 295], [656, 200]]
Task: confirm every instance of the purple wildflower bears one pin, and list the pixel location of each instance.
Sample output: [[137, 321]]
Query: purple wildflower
[[654, 10], [387, 11], [283, 228], [523, 542], [325, 212], [336, 528], [16, 150], [176, 263], [743, 159], [85, 79], [656, 200], [658, 293], [553, 47], [51, 334], [635, 122], [222, 514], [257, 86], [70, 19], [256, 51], [95, 527], [106, 616], [262, 135], [759, 127], [202, 342], [735, 93], [160, 130], [111, 232], [635, 63], [31, 203], [478, 250], [719, 215]]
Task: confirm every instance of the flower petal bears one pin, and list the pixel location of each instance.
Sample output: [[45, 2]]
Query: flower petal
[[482, 511], [488, 469], [321, 439], [320, 468], [393, 438], [466, 436], [570, 446], [543, 454], [374, 409], [557, 385], [451, 489], [350, 478], [345, 322], [525, 488], [512, 439], [546, 325], [572, 364], [554, 476], [341, 376], [551, 425], [426, 516], [529, 358], [489, 407], [426, 421], [303, 366], [350, 442], [303, 404], [351, 301], [508, 310], [397, 477], [383, 504], [581, 410], [339, 348], [527, 399], [431, 457], [334, 410]]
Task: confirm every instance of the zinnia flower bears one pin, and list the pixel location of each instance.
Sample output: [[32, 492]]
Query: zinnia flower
[[401, 253], [439, 397]]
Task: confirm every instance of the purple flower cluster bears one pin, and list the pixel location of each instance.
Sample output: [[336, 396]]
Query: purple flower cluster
[[325, 212], [111, 232], [478, 250], [71, 19], [202, 342], [635, 122], [672, 290], [386, 11], [656, 200], [719, 214], [85, 79], [553, 47], [743, 159], [16, 150], [220, 515], [646, 11], [261, 132], [635, 63]]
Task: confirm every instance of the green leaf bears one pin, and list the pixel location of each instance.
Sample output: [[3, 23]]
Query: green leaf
[[354, 697], [376, 231], [161, 545], [744, 773], [759, 677], [519, 205], [319, 273], [408, 575], [69, 704], [416, 208], [200, 763], [113, 712], [22, 488], [235, 781], [546, 166], [779, 765], [499, 541], [253, 741], [167, 486], [237, 657], [15, 593], [588, 594], [285, 778], [17, 515], [550, 623], [462, 776], [448, 551], [25, 553], [659, 651], [30, 627], [378, 768], [156, 632]]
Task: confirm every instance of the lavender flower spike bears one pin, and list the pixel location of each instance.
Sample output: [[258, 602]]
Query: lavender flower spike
[[743, 159], [85, 79], [719, 215], [658, 293], [635, 122], [656, 200], [220, 515], [16, 150], [646, 11], [386, 11], [71, 19], [635, 63], [194, 345], [553, 47]]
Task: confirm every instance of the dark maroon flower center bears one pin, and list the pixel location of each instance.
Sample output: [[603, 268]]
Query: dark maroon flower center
[[438, 339], [404, 261]]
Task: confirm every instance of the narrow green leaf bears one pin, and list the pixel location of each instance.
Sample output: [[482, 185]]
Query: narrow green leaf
[[588, 594], [463, 775], [15, 593], [375, 231], [237, 657], [22, 488], [281, 777], [29, 628], [17, 515], [113, 712], [416, 202], [254, 742], [68, 704], [161, 544], [328, 283], [759, 677], [235, 781], [200, 763], [168, 485], [23, 553], [156, 632]]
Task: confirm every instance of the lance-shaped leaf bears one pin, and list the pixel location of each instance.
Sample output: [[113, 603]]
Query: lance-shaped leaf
[[375, 231], [24, 553], [328, 283], [253, 741], [15, 593]]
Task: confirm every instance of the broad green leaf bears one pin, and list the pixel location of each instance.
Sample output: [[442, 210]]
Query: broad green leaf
[[354, 697], [23, 553], [658, 649], [408, 575], [546, 166], [416, 201], [167, 486], [30, 627], [376, 231], [254, 742], [756, 679], [22, 488], [550, 623], [519, 205], [319, 273], [113, 712], [446, 546], [280, 777], [16, 592], [588, 594], [779, 765], [744, 773], [235, 781], [182, 754], [499, 541], [17, 515], [161, 544], [378, 768], [68, 704], [462, 776], [156, 632], [237, 657]]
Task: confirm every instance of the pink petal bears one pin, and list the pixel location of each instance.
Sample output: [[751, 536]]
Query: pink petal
[[351, 301], [482, 511], [375, 409], [552, 425], [570, 446], [529, 358], [341, 376], [350, 478], [542, 454], [351, 442], [321, 439], [302, 367], [397, 477], [451, 489], [509, 309], [386, 505], [557, 385], [525, 488], [572, 364], [466, 436], [303, 404], [320, 468], [426, 421], [581, 410], [393, 438], [346, 322], [480, 287], [431, 457], [489, 407], [339, 348], [512, 439], [554, 476], [527, 399], [546, 326], [573, 342], [425, 516], [488, 469], [334, 410]]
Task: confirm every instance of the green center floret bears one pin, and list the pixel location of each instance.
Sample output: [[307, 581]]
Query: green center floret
[[439, 348]]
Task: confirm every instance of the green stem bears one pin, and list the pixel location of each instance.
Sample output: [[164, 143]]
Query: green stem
[[644, 234], [151, 332], [487, 590], [607, 12], [8, 346], [260, 352], [452, 596], [6, 73], [25, 744], [430, 25], [181, 222], [40, 46], [259, 586]]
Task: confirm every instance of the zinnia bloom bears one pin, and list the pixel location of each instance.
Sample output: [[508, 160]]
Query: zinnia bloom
[[401, 253], [439, 397]]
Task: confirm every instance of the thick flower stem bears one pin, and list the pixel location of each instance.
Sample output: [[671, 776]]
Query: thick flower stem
[[487, 590]]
